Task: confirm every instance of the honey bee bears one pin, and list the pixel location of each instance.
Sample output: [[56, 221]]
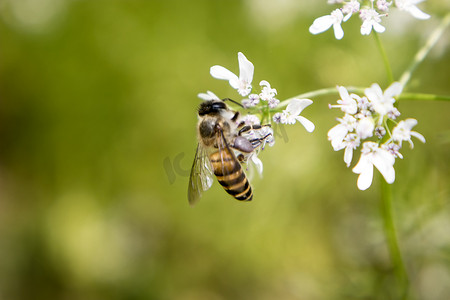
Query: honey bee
[[221, 133]]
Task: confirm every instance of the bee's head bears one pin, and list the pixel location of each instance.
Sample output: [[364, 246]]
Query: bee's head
[[211, 107]]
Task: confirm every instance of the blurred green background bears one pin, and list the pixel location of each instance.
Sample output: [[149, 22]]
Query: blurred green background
[[97, 135]]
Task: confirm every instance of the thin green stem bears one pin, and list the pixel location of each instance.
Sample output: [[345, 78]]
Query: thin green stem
[[391, 237], [387, 66], [419, 96], [423, 52], [321, 92], [360, 90], [387, 128]]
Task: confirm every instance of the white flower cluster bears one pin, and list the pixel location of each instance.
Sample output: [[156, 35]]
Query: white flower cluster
[[243, 84], [370, 13], [263, 103], [365, 123], [266, 98]]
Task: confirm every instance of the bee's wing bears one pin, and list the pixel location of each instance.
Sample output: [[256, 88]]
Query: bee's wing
[[201, 177]]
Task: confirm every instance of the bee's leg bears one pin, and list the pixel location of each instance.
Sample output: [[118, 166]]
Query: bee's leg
[[235, 117], [258, 141], [247, 128]]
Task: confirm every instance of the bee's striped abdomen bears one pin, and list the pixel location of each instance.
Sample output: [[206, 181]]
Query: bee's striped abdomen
[[230, 175]]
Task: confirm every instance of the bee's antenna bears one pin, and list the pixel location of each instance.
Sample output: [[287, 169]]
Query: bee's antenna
[[228, 99]]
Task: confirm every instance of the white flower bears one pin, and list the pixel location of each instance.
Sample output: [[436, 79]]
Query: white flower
[[402, 132], [351, 142], [253, 100], [380, 131], [364, 104], [383, 5], [365, 127], [372, 155], [410, 6], [208, 96], [337, 134], [350, 8], [251, 120], [371, 19], [241, 83], [273, 103], [267, 92], [347, 103], [323, 23], [393, 113], [280, 118], [393, 148], [292, 113], [383, 103]]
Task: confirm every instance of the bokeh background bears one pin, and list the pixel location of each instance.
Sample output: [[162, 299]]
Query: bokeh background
[[97, 135]]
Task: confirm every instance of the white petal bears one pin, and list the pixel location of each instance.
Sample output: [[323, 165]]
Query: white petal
[[384, 162], [338, 32], [264, 83], [246, 69], [343, 93], [220, 72], [417, 13], [348, 155], [309, 126], [362, 164], [374, 93], [393, 90], [418, 135], [378, 27], [258, 164], [296, 106], [365, 179], [366, 28], [365, 170], [208, 96], [410, 123], [347, 17], [321, 24], [337, 135]]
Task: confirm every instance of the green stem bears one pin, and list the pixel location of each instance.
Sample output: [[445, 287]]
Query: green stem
[[419, 96], [423, 52], [387, 66], [360, 90], [391, 237], [317, 93]]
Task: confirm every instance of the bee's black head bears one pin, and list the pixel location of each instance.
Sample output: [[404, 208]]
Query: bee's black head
[[211, 107]]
